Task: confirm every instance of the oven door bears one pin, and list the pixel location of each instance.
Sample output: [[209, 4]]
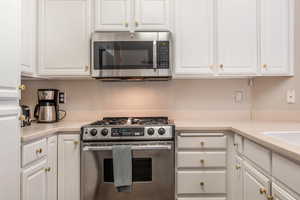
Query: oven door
[[152, 172]]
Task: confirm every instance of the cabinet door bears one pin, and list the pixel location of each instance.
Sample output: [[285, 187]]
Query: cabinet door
[[276, 37], [279, 193], [152, 15], [68, 167], [194, 37], [34, 182], [10, 21], [113, 15], [9, 149], [237, 39], [256, 185], [64, 37], [29, 36], [238, 172], [52, 166]]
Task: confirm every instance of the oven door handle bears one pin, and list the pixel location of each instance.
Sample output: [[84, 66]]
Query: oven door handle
[[135, 147]]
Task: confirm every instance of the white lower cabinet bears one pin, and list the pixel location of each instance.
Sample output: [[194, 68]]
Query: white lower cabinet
[[34, 181], [237, 179], [52, 168], [256, 185], [279, 193], [201, 166], [39, 179], [201, 182], [55, 175], [69, 167]]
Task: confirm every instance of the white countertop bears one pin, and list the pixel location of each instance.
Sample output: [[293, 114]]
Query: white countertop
[[249, 129]]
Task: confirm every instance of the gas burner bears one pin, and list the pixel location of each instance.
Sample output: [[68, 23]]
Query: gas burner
[[129, 128], [150, 120]]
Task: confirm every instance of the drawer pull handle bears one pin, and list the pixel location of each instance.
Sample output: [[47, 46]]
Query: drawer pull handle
[[202, 144], [22, 87], [269, 197], [202, 162], [262, 191], [201, 184], [238, 167], [40, 150], [48, 169]]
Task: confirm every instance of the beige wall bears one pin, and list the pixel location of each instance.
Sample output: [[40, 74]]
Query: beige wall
[[178, 99], [269, 94]]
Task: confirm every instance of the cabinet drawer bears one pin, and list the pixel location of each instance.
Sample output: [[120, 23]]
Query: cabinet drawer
[[258, 154], [193, 182], [202, 142], [33, 151], [286, 171], [201, 159]]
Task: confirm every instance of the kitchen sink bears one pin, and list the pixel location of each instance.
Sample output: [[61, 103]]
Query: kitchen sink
[[290, 137]]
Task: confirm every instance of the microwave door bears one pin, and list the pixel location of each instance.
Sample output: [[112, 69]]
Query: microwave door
[[125, 59]]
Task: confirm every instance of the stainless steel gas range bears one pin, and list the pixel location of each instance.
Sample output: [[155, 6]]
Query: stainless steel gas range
[[152, 143]]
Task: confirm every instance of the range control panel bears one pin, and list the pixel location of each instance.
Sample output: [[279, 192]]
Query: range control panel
[[127, 132], [91, 133]]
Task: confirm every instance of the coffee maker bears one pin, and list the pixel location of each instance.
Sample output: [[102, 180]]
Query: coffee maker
[[47, 109]]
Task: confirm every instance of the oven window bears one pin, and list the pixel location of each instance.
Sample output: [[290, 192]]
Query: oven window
[[123, 55], [141, 170]]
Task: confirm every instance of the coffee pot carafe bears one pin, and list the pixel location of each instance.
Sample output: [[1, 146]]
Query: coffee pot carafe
[[47, 109]]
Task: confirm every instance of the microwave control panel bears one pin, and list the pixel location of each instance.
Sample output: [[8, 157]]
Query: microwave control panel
[[163, 52]]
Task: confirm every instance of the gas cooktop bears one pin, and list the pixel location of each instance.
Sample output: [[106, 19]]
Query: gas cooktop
[[129, 128]]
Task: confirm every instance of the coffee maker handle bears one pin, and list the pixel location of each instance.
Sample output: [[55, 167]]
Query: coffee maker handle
[[63, 116], [36, 111]]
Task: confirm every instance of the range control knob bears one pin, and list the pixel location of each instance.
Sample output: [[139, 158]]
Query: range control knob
[[104, 132], [161, 131], [150, 131], [93, 132]]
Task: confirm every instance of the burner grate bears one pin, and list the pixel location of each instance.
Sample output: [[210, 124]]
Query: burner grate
[[132, 121]]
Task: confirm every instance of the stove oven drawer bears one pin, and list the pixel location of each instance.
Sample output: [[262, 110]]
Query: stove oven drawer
[[194, 182], [202, 141], [201, 159]]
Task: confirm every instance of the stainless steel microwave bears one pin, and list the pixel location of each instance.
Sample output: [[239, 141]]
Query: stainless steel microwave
[[131, 56]]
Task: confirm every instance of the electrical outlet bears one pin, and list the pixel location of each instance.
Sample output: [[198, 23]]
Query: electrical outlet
[[291, 96], [238, 96], [61, 97]]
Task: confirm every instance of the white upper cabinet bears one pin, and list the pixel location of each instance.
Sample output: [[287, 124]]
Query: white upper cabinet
[[28, 37], [194, 37], [234, 38], [237, 37], [10, 47], [64, 37], [277, 37], [132, 15], [112, 15], [152, 14]]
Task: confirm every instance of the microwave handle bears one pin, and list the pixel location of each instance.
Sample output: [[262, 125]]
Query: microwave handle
[[155, 55], [135, 147]]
